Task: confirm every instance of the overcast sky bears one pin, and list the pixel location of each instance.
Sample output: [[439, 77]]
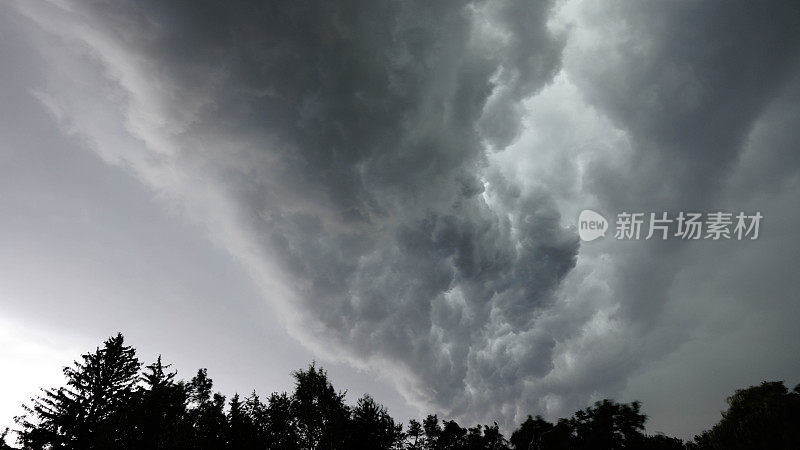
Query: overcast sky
[[391, 188]]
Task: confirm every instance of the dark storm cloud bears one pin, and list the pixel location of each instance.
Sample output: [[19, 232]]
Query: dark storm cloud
[[687, 80], [361, 166], [691, 85], [350, 145]]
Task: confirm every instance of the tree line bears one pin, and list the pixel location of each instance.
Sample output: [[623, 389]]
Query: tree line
[[111, 401]]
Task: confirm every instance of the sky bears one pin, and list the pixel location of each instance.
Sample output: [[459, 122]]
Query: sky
[[392, 189]]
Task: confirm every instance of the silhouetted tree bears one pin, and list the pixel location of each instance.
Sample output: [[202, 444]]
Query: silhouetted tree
[[282, 425], [92, 411], [487, 437], [321, 414], [608, 425], [560, 437], [109, 403], [242, 433], [206, 413], [452, 437], [432, 432], [531, 434], [257, 415], [415, 436], [449, 435], [765, 416], [372, 426], [160, 415]]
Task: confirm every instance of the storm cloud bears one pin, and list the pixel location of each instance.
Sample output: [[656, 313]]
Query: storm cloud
[[403, 177]]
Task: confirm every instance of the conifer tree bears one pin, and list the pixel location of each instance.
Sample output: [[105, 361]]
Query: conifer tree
[[414, 436], [92, 410], [207, 413], [160, 416]]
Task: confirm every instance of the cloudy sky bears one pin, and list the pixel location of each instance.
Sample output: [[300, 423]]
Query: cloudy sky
[[392, 188]]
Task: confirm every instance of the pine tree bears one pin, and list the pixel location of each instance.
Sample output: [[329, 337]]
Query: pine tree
[[242, 431], [92, 411], [258, 415], [160, 417], [414, 436], [207, 414]]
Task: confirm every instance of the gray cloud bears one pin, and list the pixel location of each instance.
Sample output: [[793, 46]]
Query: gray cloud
[[664, 107], [687, 100], [686, 81], [351, 138], [347, 153], [691, 86]]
